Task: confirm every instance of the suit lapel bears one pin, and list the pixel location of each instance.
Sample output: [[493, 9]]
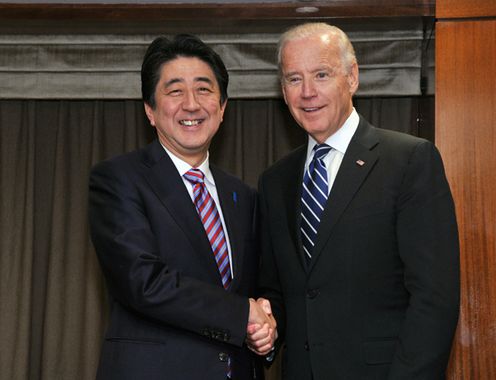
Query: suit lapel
[[358, 161], [228, 198], [292, 186], [169, 187]]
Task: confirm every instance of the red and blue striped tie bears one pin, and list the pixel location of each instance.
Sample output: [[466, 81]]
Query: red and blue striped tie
[[209, 215]]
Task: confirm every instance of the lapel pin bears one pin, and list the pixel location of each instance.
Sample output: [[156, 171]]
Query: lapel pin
[[360, 162], [235, 197]]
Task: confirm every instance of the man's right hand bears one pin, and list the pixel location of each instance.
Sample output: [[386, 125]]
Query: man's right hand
[[262, 327]]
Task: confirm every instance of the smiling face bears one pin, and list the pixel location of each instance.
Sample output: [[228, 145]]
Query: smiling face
[[188, 110], [317, 87]]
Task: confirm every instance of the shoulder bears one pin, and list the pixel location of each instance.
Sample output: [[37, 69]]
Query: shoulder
[[114, 168], [117, 161], [397, 146], [400, 139], [367, 134], [130, 161], [288, 165], [401, 152]]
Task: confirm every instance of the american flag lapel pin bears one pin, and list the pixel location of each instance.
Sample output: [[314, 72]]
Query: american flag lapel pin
[[360, 162]]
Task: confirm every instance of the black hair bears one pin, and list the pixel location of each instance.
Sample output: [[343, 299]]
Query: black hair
[[163, 50]]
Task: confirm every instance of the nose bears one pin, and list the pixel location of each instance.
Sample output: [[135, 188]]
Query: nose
[[191, 102], [308, 89]]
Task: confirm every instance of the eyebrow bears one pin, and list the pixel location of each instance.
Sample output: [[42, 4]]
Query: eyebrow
[[332, 71], [291, 73], [173, 81], [180, 80], [203, 79]]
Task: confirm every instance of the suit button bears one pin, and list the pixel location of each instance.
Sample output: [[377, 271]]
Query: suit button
[[312, 293], [306, 346], [223, 357]]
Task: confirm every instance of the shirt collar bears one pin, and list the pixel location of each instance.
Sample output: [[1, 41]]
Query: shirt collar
[[182, 166], [340, 139]]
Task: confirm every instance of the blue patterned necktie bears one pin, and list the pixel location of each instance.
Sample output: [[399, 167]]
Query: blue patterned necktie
[[209, 215], [313, 198]]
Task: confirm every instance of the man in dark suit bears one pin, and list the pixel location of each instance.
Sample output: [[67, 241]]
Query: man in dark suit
[[175, 236], [360, 257]]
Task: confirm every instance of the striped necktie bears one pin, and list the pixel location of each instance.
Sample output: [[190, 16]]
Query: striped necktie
[[313, 198], [209, 215]]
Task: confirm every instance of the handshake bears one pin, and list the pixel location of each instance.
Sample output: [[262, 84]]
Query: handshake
[[261, 332]]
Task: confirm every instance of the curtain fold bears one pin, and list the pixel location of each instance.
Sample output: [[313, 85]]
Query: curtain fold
[[16, 240], [52, 296], [393, 55]]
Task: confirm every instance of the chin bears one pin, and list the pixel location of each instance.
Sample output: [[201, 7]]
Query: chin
[[315, 130]]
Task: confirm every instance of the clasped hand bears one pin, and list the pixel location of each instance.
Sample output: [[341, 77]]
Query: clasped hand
[[261, 331]]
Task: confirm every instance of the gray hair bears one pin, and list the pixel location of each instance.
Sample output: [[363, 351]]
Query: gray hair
[[348, 57]]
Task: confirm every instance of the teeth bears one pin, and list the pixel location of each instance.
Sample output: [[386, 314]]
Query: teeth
[[190, 122], [310, 109]]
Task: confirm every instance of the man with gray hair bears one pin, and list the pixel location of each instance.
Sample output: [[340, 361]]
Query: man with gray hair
[[360, 255]]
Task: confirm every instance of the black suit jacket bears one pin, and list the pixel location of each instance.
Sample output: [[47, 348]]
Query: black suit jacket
[[380, 298], [170, 316]]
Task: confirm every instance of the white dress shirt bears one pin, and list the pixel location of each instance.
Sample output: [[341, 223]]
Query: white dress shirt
[[339, 142], [183, 167]]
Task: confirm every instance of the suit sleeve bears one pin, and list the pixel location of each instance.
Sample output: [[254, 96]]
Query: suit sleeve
[[428, 246], [139, 279]]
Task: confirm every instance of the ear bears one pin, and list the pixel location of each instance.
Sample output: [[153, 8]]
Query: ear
[[149, 114], [353, 78], [222, 109], [284, 93]]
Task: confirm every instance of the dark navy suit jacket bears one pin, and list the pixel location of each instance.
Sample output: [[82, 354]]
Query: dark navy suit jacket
[[170, 316]]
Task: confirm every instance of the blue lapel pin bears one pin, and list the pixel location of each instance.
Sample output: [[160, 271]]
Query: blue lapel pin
[[235, 197]]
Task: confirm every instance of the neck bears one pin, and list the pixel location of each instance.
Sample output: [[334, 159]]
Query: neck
[[193, 158]]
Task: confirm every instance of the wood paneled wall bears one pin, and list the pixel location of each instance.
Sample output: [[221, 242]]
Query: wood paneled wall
[[465, 8], [466, 136]]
